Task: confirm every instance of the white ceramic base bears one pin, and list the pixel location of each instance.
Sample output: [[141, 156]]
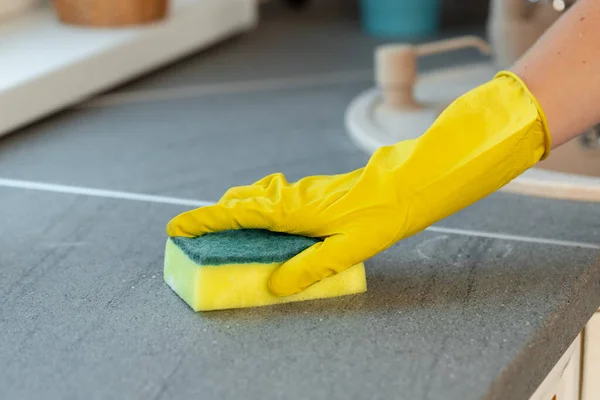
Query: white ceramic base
[[370, 128], [370, 114]]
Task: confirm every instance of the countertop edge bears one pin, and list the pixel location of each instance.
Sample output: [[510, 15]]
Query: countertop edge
[[552, 338]]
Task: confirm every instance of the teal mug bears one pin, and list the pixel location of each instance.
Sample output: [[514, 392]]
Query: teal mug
[[401, 18]]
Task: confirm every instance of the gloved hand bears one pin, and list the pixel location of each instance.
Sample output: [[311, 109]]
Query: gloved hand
[[484, 139]]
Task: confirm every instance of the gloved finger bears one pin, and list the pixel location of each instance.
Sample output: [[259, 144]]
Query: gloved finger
[[321, 260], [272, 180], [241, 193], [269, 186], [245, 214]]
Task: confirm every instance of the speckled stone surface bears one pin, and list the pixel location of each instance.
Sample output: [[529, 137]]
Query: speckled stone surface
[[84, 312]]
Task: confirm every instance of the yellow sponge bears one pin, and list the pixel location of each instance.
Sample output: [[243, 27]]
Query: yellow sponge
[[230, 269]]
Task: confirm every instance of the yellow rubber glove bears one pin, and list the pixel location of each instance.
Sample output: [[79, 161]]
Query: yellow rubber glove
[[484, 139]]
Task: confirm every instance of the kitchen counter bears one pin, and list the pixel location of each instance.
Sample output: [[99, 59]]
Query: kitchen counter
[[462, 312]]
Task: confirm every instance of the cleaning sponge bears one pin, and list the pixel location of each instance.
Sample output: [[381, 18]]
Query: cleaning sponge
[[230, 269]]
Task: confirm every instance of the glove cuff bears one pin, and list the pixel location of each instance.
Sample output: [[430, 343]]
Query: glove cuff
[[547, 136]]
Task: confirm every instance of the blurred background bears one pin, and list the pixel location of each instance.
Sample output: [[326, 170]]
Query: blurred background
[[389, 66]]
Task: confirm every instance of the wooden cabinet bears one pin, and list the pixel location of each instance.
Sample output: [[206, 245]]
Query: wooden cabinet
[[576, 376], [562, 383], [590, 389]]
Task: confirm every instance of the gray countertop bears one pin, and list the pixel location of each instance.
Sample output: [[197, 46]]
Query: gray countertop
[[85, 313]]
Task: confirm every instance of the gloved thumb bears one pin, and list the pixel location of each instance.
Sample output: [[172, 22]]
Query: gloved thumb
[[314, 264]]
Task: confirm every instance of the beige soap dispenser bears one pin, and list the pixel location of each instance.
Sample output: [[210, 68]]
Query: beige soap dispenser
[[397, 110]]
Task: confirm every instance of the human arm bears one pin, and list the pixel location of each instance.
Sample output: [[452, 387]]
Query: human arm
[[562, 70]]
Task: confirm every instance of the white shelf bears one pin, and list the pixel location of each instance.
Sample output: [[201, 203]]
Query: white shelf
[[46, 66]]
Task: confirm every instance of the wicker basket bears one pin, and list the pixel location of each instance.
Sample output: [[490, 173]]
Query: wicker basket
[[110, 13]]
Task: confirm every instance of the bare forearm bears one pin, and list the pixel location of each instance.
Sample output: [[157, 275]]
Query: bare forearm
[[563, 71]]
